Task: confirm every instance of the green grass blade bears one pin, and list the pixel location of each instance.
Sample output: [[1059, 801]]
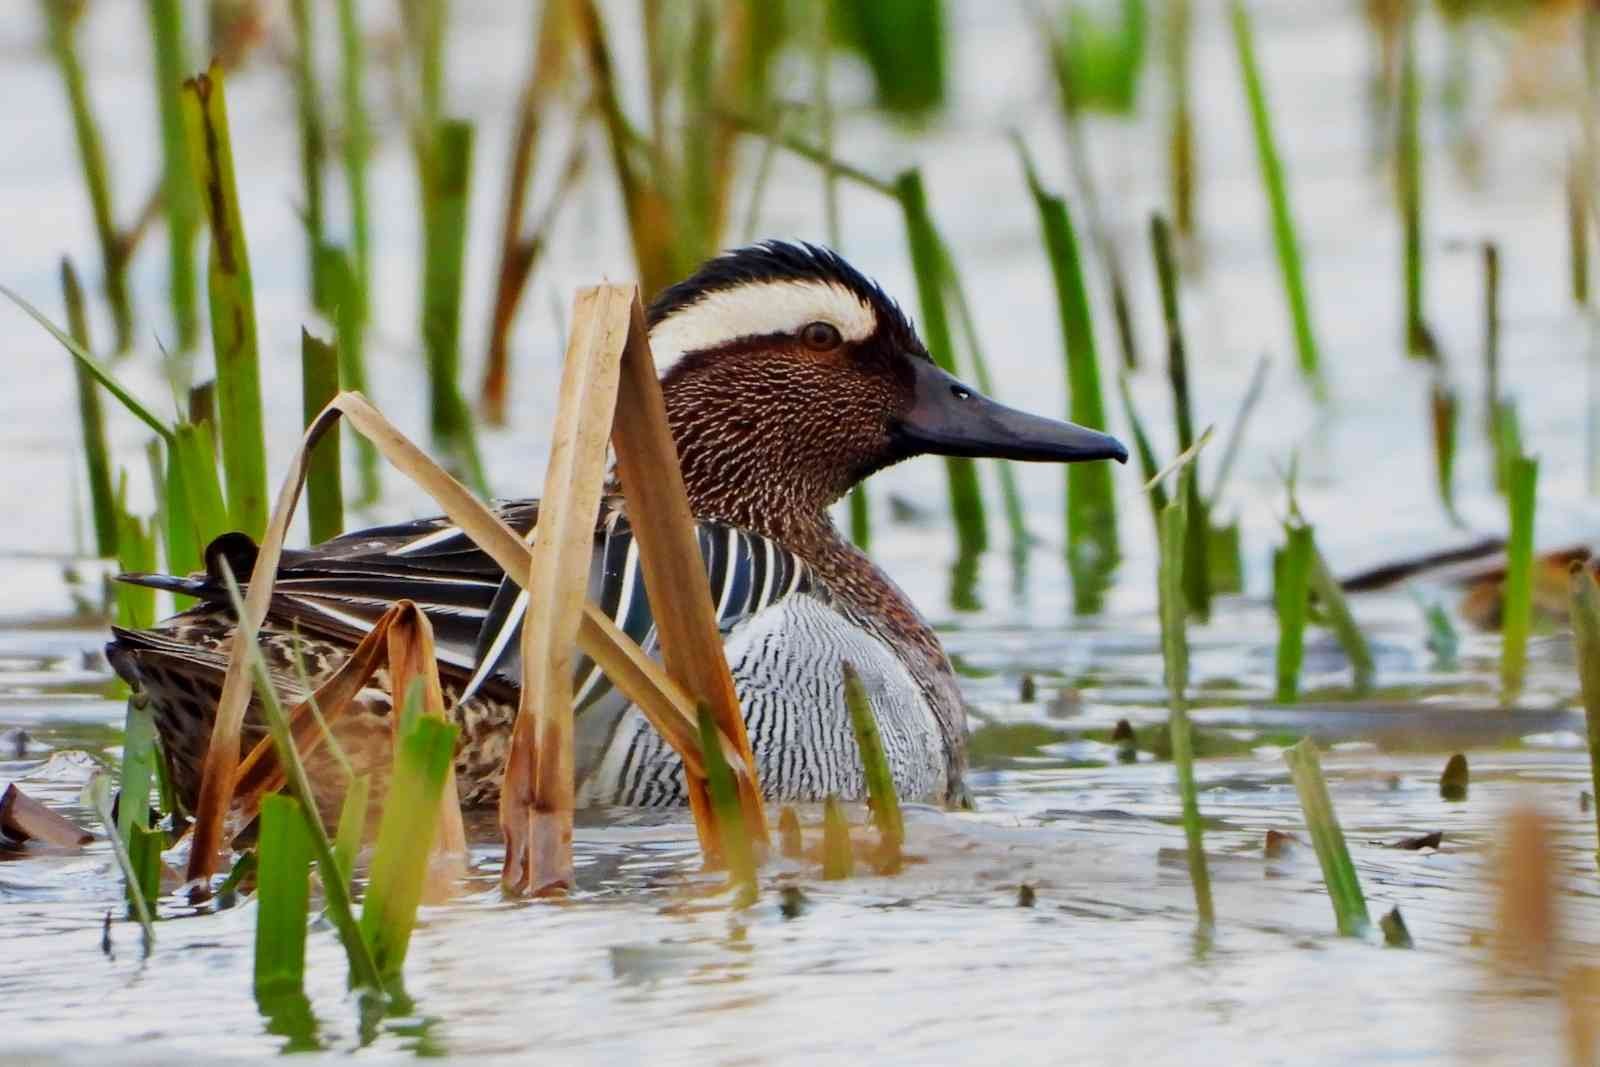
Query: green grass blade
[[180, 203], [352, 824], [138, 768], [736, 850], [1091, 499], [405, 835], [1272, 177], [1336, 608], [319, 383], [966, 498], [1518, 614], [90, 364], [1291, 585], [875, 765], [336, 891], [1196, 576], [1338, 871], [283, 895], [232, 302], [60, 22], [1586, 638], [96, 454], [97, 797], [446, 185], [1175, 659]]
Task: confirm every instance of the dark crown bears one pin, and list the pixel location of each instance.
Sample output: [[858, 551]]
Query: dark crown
[[772, 261]]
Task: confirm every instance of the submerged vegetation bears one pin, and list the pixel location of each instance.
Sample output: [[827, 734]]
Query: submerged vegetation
[[685, 151]]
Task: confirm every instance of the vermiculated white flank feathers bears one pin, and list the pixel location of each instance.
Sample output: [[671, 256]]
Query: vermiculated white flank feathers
[[759, 309]]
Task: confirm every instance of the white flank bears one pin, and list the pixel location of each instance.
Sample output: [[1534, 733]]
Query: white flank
[[758, 309]]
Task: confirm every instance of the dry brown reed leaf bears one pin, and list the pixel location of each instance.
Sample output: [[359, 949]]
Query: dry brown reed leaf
[[674, 573], [536, 797]]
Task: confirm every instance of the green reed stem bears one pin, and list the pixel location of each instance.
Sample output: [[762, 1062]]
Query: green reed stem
[[1491, 338], [1225, 558], [886, 813], [336, 891], [97, 797], [61, 25], [1230, 451], [838, 856], [357, 147], [1336, 608], [1586, 637], [283, 895], [319, 383], [178, 196], [1173, 528], [1141, 448], [446, 185], [1518, 612], [1180, 116], [344, 288], [1578, 231], [729, 813], [1338, 870], [352, 824], [1291, 586], [1284, 238], [405, 834], [1091, 498], [138, 768], [1444, 415], [1010, 493], [196, 514], [96, 454], [313, 146], [1196, 577], [904, 45], [1419, 340], [232, 301], [136, 552], [966, 498]]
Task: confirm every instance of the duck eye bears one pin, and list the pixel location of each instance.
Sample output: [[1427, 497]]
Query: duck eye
[[961, 392], [821, 336]]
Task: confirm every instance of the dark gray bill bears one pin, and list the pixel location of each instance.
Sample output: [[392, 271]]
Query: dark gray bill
[[952, 419]]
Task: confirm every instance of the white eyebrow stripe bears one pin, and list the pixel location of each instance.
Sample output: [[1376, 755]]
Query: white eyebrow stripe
[[760, 308]]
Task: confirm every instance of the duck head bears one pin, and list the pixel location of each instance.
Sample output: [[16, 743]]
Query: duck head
[[789, 377]]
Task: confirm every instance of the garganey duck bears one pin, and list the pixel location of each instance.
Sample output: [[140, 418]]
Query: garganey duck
[[789, 378]]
